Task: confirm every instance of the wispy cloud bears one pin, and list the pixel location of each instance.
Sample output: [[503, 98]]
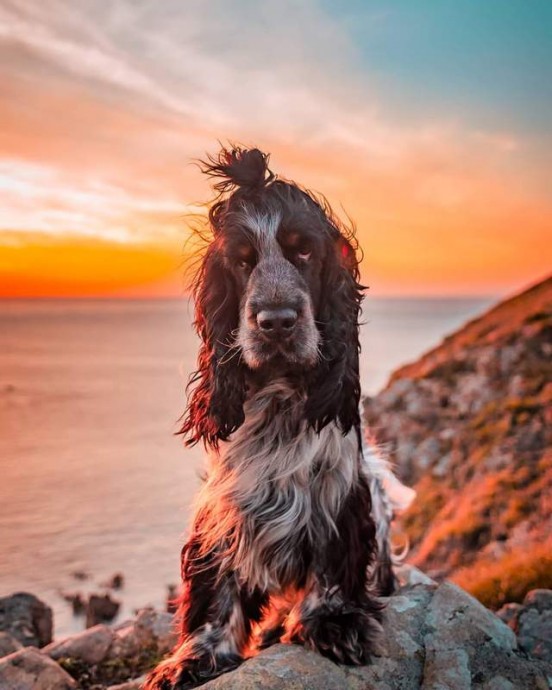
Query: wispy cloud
[[40, 198], [104, 104]]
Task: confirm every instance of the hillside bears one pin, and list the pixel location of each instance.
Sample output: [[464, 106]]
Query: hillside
[[469, 425]]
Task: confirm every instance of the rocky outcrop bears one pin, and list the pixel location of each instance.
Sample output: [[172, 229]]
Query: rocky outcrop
[[435, 637], [469, 425], [27, 619]]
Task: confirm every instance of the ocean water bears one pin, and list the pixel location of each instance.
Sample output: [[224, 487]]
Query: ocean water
[[92, 477]]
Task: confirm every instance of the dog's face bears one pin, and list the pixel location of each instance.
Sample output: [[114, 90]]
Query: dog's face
[[275, 256]]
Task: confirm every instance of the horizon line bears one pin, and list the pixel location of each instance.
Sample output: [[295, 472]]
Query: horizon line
[[185, 297]]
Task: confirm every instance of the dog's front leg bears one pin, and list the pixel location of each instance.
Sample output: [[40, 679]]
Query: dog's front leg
[[216, 616], [338, 616], [339, 628]]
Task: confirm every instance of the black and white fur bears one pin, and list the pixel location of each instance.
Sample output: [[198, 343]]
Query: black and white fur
[[290, 538]]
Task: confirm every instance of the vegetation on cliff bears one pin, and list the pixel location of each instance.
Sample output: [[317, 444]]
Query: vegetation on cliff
[[469, 425]]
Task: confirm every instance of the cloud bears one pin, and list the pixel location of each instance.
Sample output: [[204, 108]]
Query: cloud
[[105, 103], [208, 59], [89, 208]]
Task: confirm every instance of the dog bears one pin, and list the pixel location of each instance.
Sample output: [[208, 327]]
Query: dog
[[290, 537]]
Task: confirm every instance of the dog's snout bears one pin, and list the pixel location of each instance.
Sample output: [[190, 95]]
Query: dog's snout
[[277, 323]]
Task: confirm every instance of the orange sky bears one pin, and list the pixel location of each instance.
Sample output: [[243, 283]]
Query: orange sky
[[101, 116]]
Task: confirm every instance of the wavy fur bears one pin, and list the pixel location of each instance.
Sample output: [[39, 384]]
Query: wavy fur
[[290, 536]]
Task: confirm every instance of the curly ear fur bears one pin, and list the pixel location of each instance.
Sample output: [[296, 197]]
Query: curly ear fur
[[215, 407], [334, 390]]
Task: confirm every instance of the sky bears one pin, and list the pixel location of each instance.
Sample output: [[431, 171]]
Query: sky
[[426, 123]]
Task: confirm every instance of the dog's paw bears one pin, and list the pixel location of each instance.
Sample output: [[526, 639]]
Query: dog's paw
[[346, 637], [184, 674], [163, 677]]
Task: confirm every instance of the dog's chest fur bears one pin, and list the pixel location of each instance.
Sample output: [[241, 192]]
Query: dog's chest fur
[[278, 487]]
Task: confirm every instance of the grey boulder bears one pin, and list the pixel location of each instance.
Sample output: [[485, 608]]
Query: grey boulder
[[532, 623], [29, 669], [26, 618]]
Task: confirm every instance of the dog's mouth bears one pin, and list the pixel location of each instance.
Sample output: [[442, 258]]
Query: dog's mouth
[[291, 350], [284, 349]]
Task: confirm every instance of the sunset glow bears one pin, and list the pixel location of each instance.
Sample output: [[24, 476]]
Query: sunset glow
[[104, 106]]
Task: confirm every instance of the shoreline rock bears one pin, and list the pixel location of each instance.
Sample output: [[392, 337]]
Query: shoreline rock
[[27, 619], [29, 668], [101, 608]]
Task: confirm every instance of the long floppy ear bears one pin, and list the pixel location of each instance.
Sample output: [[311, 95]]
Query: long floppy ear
[[334, 389], [217, 388]]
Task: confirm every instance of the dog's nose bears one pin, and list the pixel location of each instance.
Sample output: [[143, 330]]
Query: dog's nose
[[277, 323]]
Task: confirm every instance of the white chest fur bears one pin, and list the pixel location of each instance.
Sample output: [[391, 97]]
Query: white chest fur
[[276, 486]]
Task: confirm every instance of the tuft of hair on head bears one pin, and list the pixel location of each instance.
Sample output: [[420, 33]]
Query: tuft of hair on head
[[238, 167]]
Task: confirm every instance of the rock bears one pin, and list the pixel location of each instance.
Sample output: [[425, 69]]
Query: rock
[[410, 575], [90, 646], [405, 614], [76, 600], [101, 609], [459, 620], [509, 614], [435, 637], [283, 667], [500, 683], [385, 674], [172, 599], [161, 626], [446, 669], [26, 618], [532, 622], [428, 451], [29, 669], [150, 629], [116, 581], [135, 684], [103, 656], [80, 575], [8, 644], [540, 599]]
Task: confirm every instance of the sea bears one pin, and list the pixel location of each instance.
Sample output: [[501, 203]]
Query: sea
[[93, 479]]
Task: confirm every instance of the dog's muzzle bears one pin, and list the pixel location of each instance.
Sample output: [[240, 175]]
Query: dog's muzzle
[[276, 319]]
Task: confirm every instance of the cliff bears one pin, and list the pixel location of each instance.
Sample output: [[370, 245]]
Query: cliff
[[469, 426]]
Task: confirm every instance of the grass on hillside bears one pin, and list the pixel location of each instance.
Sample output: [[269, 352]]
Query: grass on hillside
[[509, 578]]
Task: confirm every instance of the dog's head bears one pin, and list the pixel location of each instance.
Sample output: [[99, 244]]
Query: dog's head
[[277, 294]]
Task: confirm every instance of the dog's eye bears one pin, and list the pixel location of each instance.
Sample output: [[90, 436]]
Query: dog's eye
[[244, 265]]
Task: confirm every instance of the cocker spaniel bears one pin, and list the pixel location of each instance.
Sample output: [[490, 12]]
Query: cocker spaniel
[[290, 537]]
